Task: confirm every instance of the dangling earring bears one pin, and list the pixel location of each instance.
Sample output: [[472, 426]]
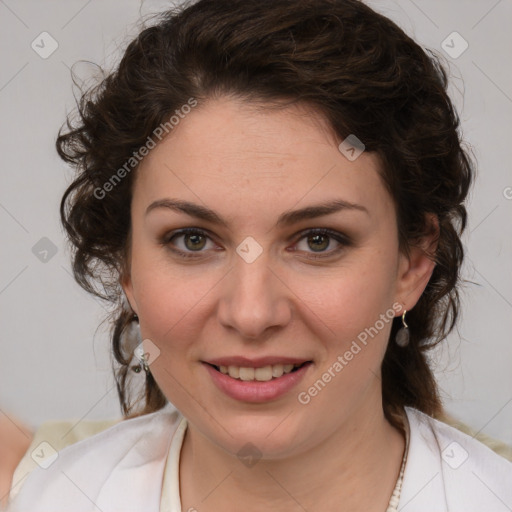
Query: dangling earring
[[139, 350], [141, 356], [402, 336]]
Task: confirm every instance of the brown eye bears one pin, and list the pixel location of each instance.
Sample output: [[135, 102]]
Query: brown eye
[[318, 242], [189, 243], [194, 242]]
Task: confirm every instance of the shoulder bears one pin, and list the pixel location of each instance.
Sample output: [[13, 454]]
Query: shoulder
[[457, 445], [50, 438], [129, 456], [467, 473]]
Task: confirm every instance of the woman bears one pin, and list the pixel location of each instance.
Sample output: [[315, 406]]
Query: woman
[[273, 195]]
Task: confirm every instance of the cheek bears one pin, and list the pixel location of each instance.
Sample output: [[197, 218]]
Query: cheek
[[349, 298], [171, 299], [356, 313], [167, 305]]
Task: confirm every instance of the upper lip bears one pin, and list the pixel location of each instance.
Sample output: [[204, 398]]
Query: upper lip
[[256, 362]]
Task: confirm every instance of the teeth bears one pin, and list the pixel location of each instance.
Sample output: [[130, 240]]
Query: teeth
[[246, 373], [263, 374], [277, 370]]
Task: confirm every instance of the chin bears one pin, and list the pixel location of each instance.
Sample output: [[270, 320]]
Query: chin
[[259, 436]]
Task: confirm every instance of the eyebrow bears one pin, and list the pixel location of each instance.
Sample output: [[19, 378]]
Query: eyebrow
[[285, 219]]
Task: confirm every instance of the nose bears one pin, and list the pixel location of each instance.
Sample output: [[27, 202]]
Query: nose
[[254, 299]]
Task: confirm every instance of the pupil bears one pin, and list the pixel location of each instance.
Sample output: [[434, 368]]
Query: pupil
[[317, 239]]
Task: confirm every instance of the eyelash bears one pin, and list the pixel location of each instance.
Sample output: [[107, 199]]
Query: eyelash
[[343, 240]]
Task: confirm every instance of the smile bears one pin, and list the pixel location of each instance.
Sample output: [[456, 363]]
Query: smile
[[257, 383], [262, 374]]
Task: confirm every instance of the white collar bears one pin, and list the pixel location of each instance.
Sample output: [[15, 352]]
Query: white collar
[[423, 482], [122, 468], [171, 499]]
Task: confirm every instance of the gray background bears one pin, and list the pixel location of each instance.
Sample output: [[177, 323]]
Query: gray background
[[54, 360]]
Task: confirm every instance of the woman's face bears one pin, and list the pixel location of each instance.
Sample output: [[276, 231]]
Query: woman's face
[[253, 285]]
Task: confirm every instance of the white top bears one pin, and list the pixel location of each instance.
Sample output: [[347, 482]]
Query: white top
[[171, 499], [122, 470]]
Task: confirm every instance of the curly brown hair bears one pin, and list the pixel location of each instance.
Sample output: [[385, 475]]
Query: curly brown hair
[[355, 67]]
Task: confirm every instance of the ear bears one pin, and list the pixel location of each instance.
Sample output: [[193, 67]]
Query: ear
[[127, 285], [415, 268]]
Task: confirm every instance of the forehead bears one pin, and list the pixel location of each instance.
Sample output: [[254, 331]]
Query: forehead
[[235, 156]]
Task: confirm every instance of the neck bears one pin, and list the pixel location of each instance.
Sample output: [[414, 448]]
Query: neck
[[358, 465]]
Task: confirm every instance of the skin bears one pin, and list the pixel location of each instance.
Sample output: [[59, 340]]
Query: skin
[[250, 164], [15, 439]]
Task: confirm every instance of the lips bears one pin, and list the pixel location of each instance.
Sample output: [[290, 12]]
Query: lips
[[252, 389], [257, 379]]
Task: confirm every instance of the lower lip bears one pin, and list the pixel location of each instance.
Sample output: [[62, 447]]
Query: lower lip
[[257, 391]]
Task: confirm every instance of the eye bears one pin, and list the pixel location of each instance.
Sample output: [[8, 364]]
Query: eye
[[319, 240], [187, 241]]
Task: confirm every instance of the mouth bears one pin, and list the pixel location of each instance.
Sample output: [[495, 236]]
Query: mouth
[[257, 381], [260, 374]]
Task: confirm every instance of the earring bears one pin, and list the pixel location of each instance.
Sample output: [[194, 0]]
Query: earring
[[143, 365], [402, 336], [139, 350], [143, 360]]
